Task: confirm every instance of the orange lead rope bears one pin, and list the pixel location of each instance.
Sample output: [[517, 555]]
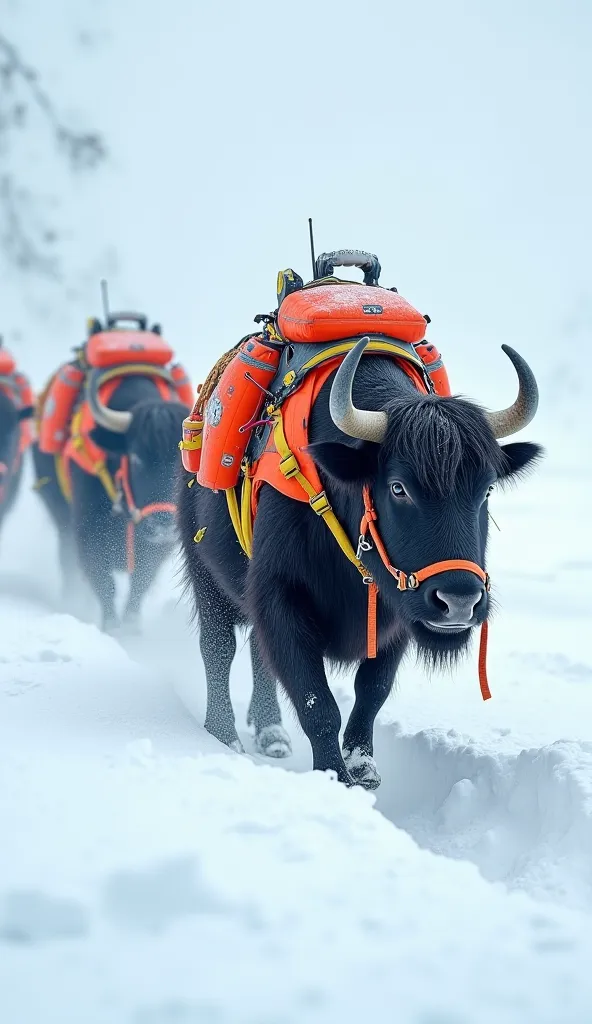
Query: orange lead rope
[[412, 581], [136, 515], [483, 683]]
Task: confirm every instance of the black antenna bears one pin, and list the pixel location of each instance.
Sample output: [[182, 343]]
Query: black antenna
[[105, 298], [312, 248]]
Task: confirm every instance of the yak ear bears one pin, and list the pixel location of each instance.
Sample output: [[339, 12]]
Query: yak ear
[[108, 440], [344, 463], [521, 457]]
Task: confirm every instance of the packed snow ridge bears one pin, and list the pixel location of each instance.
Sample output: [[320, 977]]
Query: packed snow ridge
[[149, 875]]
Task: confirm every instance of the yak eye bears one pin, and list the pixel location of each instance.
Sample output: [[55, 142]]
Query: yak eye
[[398, 489]]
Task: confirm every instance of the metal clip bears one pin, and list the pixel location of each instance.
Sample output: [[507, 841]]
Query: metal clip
[[363, 545]]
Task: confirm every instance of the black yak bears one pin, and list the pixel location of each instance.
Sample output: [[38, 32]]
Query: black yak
[[11, 460], [93, 532], [431, 463]]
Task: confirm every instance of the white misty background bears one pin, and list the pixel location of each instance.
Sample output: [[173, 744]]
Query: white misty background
[[449, 139]]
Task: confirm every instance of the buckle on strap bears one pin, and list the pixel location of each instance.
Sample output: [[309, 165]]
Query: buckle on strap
[[289, 467], [363, 545], [319, 503]]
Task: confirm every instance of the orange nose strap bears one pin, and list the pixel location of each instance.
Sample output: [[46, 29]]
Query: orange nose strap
[[411, 581], [136, 515]]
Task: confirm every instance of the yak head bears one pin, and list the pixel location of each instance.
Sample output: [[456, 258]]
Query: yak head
[[148, 435], [431, 463]]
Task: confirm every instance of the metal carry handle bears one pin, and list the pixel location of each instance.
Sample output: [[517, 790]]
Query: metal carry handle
[[366, 261], [135, 318]]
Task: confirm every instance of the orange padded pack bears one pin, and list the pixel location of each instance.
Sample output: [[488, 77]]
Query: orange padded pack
[[111, 348], [296, 412], [7, 363], [229, 415], [328, 312]]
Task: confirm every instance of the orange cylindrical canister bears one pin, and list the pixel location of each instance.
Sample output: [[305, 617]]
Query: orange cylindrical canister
[[25, 391], [190, 443], [231, 413], [182, 384], [432, 360], [59, 407]]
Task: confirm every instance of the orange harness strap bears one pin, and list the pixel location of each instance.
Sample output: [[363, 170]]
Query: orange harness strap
[[412, 581], [136, 515]]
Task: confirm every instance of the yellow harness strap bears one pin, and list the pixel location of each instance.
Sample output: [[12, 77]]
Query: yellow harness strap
[[319, 503], [246, 513], [99, 467], [63, 478], [242, 520], [232, 502]]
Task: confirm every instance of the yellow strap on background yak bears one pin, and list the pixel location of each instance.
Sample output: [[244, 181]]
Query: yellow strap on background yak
[[99, 467], [62, 478]]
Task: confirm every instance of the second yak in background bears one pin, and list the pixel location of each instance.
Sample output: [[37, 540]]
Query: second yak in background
[[105, 457]]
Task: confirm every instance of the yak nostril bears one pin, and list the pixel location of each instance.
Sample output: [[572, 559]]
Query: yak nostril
[[458, 607], [440, 601]]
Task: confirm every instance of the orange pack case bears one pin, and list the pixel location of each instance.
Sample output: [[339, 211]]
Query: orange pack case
[[112, 348], [7, 363], [328, 312], [233, 406], [432, 360]]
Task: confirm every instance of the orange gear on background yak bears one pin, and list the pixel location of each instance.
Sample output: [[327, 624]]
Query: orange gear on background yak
[[106, 349], [16, 386]]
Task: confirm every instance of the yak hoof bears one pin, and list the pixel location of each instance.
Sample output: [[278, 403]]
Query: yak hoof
[[362, 768], [131, 625], [273, 741]]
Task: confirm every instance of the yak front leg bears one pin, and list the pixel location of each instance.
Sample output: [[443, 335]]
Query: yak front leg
[[141, 579], [287, 632], [99, 574], [374, 682]]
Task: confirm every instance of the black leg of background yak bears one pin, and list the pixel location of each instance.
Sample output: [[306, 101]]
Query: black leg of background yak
[[59, 511], [217, 598]]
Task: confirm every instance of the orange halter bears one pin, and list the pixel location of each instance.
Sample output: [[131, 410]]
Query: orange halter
[[136, 515], [412, 581]]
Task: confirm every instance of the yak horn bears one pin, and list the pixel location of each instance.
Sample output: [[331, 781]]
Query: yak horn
[[511, 420], [360, 423], [111, 419]]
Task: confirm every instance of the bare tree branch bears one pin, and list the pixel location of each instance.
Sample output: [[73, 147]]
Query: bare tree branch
[[26, 238]]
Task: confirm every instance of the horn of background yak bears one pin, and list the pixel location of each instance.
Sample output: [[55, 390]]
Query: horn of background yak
[[111, 419], [360, 423], [511, 420]]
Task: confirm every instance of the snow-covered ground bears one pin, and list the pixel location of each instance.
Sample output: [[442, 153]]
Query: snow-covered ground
[[150, 876]]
